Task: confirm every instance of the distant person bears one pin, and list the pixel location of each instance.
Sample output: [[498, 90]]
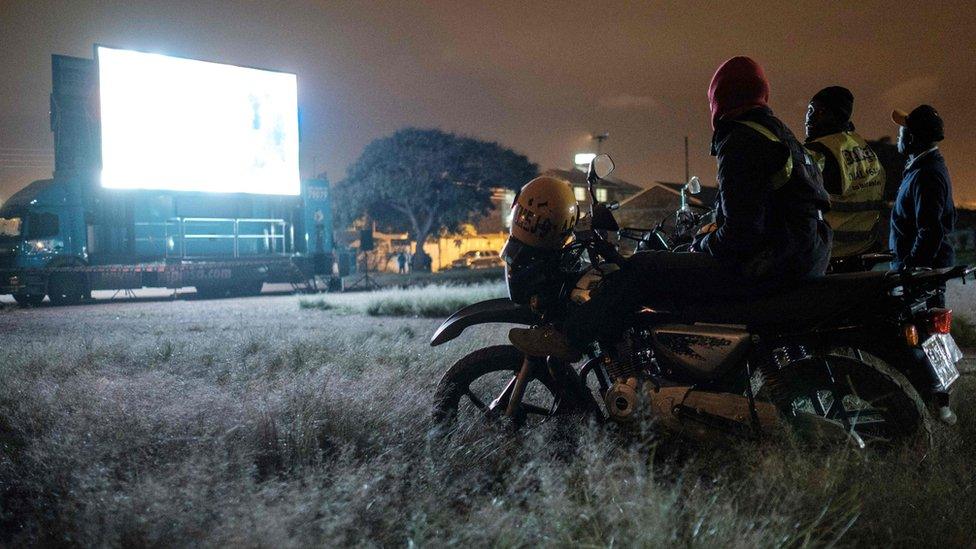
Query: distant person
[[851, 171], [402, 262], [923, 215]]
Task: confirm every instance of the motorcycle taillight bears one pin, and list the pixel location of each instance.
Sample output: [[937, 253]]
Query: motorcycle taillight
[[938, 321]]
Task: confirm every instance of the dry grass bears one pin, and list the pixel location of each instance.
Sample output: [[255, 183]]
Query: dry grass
[[436, 301], [249, 422]]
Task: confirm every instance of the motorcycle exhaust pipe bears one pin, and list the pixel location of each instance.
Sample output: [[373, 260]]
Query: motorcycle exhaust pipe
[[705, 416]]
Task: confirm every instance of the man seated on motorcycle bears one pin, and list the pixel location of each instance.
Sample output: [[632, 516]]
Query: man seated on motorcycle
[[770, 232]]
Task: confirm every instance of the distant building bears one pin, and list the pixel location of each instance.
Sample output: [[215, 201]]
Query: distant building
[[610, 189], [659, 201], [499, 219]]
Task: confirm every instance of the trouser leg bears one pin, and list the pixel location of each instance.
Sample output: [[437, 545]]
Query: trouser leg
[[660, 280]]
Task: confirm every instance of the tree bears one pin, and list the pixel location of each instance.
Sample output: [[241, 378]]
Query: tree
[[420, 180]]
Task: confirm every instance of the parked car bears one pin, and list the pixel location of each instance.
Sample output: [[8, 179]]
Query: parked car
[[478, 259]]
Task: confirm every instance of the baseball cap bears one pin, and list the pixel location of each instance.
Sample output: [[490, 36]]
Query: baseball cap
[[924, 122]]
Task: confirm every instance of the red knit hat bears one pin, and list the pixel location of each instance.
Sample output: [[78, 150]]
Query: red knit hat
[[738, 85]]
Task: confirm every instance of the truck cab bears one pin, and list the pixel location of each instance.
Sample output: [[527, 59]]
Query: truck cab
[[41, 227]]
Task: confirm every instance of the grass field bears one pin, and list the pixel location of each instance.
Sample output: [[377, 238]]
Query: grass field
[[257, 422], [438, 301]]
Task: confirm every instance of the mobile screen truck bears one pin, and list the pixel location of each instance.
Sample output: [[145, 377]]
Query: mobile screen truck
[[169, 172]]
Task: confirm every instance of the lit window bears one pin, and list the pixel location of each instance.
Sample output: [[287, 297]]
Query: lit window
[[580, 193], [601, 195]]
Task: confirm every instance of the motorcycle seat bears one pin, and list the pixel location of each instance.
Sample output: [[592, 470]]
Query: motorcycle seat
[[805, 304]]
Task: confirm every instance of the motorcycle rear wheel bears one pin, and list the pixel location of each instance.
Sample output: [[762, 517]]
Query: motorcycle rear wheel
[[467, 390], [872, 401]]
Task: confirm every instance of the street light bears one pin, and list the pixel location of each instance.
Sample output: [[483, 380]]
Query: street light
[[584, 159]]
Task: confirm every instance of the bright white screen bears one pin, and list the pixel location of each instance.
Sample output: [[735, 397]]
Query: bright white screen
[[186, 125]]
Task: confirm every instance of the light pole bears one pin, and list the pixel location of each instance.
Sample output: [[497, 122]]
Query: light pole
[[584, 159], [600, 138]]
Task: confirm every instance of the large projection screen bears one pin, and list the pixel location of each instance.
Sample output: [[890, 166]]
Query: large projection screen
[[178, 124]]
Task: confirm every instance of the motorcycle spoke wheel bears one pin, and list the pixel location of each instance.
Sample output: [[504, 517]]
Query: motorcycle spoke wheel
[[476, 391]]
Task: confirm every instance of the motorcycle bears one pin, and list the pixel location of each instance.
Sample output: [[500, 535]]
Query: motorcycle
[[739, 368]]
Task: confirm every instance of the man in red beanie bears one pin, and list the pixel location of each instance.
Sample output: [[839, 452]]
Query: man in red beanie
[[770, 228], [771, 195]]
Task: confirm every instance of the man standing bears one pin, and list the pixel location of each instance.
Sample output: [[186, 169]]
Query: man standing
[[402, 262], [923, 214], [852, 173]]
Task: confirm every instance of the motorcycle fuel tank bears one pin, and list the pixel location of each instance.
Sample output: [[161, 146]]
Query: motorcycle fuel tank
[[702, 351]]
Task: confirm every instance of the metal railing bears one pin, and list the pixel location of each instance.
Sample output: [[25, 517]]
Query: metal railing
[[197, 237]]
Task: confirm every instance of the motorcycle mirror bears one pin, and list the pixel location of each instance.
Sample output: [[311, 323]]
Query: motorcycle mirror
[[601, 166], [693, 185]]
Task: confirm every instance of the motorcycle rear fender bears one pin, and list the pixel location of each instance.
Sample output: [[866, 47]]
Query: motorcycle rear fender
[[502, 310]]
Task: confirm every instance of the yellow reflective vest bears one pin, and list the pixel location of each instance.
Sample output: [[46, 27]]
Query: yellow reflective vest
[[855, 212]]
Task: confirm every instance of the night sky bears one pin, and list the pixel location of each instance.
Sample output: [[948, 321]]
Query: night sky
[[536, 76]]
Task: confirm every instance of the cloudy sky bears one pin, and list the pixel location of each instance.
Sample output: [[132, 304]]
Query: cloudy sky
[[537, 76]]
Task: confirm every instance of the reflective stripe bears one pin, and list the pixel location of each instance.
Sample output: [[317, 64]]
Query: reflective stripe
[[819, 158], [781, 177], [867, 206]]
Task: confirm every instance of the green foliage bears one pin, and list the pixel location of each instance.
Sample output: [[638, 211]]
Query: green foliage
[[419, 180]]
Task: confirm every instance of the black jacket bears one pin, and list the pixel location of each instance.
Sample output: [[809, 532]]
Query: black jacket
[[768, 231], [923, 215]]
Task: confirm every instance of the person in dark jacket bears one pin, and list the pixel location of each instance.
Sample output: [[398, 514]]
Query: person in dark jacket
[[923, 215], [770, 228], [771, 195]]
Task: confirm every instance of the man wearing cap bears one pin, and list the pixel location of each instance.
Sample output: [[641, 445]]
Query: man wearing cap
[[923, 215], [852, 173]]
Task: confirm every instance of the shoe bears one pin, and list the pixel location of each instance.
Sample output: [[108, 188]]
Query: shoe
[[542, 342], [946, 415]]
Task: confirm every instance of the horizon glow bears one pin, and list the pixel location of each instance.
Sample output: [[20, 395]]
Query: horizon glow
[[178, 124]]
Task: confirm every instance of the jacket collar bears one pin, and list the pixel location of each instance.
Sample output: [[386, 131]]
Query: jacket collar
[[724, 125], [911, 163]]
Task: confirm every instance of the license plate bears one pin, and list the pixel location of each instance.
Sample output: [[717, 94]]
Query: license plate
[[943, 354]]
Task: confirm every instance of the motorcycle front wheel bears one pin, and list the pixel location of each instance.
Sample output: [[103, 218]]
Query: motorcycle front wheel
[[476, 389]]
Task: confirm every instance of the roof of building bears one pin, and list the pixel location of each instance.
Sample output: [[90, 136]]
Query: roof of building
[[578, 179], [651, 197]]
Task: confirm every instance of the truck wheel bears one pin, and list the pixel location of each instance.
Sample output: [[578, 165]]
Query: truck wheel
[[28, 300], [246, 289], [67, 289]]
